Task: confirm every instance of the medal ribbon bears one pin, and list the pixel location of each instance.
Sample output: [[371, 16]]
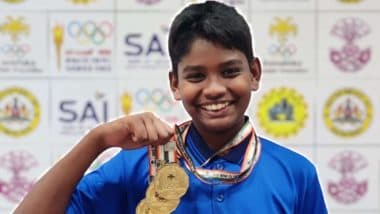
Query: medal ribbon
[[160, 155], [251, 156]]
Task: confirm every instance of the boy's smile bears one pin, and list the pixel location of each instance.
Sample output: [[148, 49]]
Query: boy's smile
[[215, 84]]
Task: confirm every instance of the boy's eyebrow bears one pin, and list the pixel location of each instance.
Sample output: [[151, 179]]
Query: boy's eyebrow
[[230, 63], [222, 65], [194, 68]]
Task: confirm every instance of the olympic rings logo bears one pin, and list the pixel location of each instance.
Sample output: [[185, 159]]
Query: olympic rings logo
[[89, 31], [155, 98], [11, 50], [283, 50]]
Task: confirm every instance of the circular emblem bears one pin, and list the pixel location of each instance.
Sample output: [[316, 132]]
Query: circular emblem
[[19, 112], [282, 112], [17, 163], [347, 112], [171, 182], [350, 187]]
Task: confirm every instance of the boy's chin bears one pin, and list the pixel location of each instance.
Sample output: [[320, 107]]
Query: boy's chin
[[219, 124]]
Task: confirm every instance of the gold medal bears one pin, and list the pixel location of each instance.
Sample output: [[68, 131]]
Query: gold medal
[[171, 182], [163, 194], [142, 208], [168, 181], [150, 192], [160, 205]]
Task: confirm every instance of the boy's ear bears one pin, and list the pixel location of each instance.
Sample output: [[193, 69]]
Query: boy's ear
[[173, 80], [255, 74]]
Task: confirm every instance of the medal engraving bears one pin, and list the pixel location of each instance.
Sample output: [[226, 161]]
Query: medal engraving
[[171, 182], [164, 192], [142, 208]]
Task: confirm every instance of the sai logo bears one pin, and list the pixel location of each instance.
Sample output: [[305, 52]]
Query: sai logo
[[282, 29], [146, 51], [348, 189], [85, 111], [136, 48], [347, 112], [19, 112], [282, 112], [16, 163], [350, 57]]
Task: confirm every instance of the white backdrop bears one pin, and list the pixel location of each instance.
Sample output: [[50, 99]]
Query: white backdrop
[[67, 65]]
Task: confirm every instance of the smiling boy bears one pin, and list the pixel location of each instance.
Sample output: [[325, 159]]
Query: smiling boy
[[230, 168]]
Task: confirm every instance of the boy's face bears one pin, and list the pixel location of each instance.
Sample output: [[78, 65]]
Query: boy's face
[[215, 84]]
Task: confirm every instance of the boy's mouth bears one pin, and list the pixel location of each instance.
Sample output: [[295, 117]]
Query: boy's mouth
[[215, 106]]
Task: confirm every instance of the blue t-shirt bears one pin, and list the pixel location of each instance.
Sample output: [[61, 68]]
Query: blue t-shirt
[[281, 182]]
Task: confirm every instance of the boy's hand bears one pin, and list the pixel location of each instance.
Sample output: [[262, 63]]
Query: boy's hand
[[134, 131]]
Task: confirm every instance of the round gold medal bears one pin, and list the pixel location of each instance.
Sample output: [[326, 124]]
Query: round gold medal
[[150, 192], [143, 208], [163, 205], [171, 182]]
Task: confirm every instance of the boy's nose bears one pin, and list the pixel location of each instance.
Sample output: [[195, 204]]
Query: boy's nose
[[214, 88]]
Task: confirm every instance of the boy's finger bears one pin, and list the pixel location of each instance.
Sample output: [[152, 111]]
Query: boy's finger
[[162, 128], [151, 129], [138, 131]]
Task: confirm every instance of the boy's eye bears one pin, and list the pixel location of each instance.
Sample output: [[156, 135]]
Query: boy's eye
[[231, 72], [195, 77]]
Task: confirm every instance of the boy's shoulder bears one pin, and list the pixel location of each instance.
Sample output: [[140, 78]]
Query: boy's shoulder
[[276, 153], [134, 155]]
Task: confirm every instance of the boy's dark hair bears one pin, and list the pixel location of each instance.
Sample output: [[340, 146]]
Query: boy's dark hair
[[213, 21]]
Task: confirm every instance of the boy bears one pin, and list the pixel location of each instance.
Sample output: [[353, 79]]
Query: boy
[[230, 169]]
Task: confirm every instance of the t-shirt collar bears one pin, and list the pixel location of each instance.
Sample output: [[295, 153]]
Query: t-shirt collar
[[202, 152]]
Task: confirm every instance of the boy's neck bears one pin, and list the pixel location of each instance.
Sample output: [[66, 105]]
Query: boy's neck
[[217, 139]]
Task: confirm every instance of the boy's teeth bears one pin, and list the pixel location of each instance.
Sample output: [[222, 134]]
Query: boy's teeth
[[214, 107]]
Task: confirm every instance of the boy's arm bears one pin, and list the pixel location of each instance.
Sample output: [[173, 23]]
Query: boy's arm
[[51, 194], [313, 201]]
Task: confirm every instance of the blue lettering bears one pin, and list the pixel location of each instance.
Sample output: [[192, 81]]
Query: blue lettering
[[89, 113], [155, 46], [65, 108], [138, 49], [105, 111]]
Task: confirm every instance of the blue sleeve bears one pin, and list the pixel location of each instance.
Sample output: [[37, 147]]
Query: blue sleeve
[[312, 201], [101, 191]]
